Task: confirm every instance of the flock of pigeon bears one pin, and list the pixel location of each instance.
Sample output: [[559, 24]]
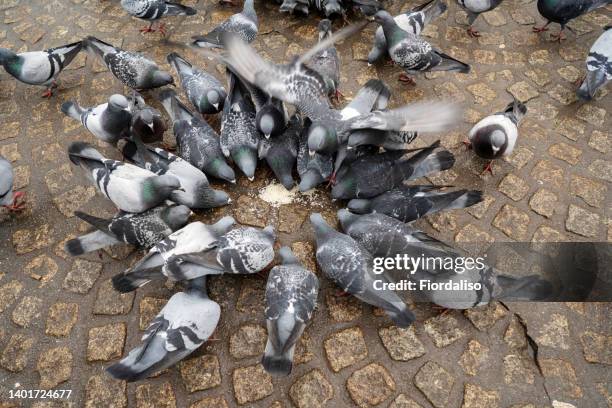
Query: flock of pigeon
[[281, 113]]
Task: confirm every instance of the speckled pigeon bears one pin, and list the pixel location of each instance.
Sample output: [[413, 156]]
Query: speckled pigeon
[[108, 122], [327, 61], [599, 66], [196, 141], [8, 198], [132, 69], [350, 266], [152, 10], [475, 8], [39, 67], [142, 230], [246, 250], [281, 151], [184, 324], [243, 25], [147, 122], [129, 187], [204, 91], [563, 11], [291, 297]]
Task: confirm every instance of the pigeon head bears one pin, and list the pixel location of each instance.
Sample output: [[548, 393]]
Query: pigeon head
[[269, 231], [345, 188], [325, 29], [246, 159], [176, 216], [6, 56], [288, 258], [282, 166], [382, 17], [270, 121], [346, 218], [360, 206], [309, 180], [160, 78], [147, 117], [118, 102], [322, 139], [223, 225], [321, 228], [212, 101], [219, 168], [490, 142]]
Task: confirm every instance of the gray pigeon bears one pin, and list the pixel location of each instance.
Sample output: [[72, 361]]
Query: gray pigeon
[[142, 230], [204, 91], [108, 122], [563, 11], [599, 66], [239, 137], [495, 136], [196, 141], [412, 53], [147, 122], [295, 7], [412, 21], [39, 67], [129, 187], [313, 168], [350, 266], [242, 25], [196, 191], [281, 151], [371, 175], [180, 256], [132, 69], [184, 324], [474, 8], [152, 10], [409, 203], [387, 237], [291, 297], [330, 7], [246, 250], [8, 198], [327, 61]]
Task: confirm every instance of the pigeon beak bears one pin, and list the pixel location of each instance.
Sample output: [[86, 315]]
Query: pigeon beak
[[233, 181], [216, 105], [229, 200], [369, 65], [349, 147], [311, 153], [267, 135], [150, 125], [251, 178], [191, 213], [181, 189]]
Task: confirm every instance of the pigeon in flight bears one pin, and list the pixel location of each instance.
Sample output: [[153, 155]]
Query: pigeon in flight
[[108, 122], [129, 187], [563, 11], [39, 67], [184, 324], [327, 61], [291, 297], [474, 8], [281, 152], [599, 66], [142, 230], [495, 136], [349, 265], [8, 198], [152, 10], [147, 122], [132, 69], [242, 25]]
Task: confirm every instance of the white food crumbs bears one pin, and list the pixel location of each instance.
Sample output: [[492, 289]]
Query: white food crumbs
[[276, 195]]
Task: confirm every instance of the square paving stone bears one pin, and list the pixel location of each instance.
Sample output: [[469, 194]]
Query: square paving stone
[[601, 141], [291, 218], [514, 336], [105, 343], [104, 391], [111, 302], [252, 211], [435, 382], [155, 396], [565, 152], [444, 330], [402, 344], [210, 402], [251, 384], [343, 308], [512, 222], [571, 128], [42, 268], [305, 253], [514, 187], [475, 397], [520, 157], [344, 348], [582, 222], [61, 319], [312, 390], [591, 114], [70, 201], [26, 241], [560, 378], [601, 169], [543, 202], [484, 317], [16, 353], [471, 238], [474, 356], [54, 367], [82, 276], [27, 310], [554, 333], [404, 401], [591, 191], [370, 385], [248, 341], [523, 91], [597, 347], [518, 370], [200, 373], [9, 292]]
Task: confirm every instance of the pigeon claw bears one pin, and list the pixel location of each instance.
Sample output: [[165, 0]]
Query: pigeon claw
[[332, 180], [558, 37], [467, 144], [406, 78], [48, 93], [162, 29], [17, 205], [148, 29], [337, 96], [473, 33], [540, 29], [488, 167]]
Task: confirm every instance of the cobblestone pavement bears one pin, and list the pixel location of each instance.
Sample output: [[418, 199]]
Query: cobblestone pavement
[[61, 323]]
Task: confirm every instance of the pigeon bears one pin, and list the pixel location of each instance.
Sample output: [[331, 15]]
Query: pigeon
[[132, 69], [330, 7], [184, 324], [599, 66], [563, 11], [196, 141], [281, 152], [204, 91], [39, 67], [8, 198], [412, 21], [295, 7], [313, 168], [152, 10], [291, 297], [142, 230], [108, 122], [196, 191], [129, 187], [474, 8], [371, 175], [413, 53], [186, 254], [246, 250], [409, 203], [147, 122], [350, 266], [495, 136], [239, 137], [386, 237], [367, 7], [243, 25], [327, 61]]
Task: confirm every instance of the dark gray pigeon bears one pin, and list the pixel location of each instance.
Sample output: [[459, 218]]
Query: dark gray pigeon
[[475, 8], [184, 324], [350, 266], [196, 141], [142, 230], [246, 250], [409, 203], [152, 10], [39, 67], [204, 91], [412, 21], [295, 7], [132, 69], [8, 198], [186, 254], [495, 136], [129, 187], [563, 11], [384, 236], [239, 137], [599, 66], [313, 168], [330, 7], [243, 25], [291, 297], [108, 122], [412, 53], [147, 122], [327, 61], [371, 175], [281, 151]]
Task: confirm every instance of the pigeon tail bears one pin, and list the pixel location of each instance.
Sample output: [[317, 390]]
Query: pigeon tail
[[99, 47], [68, 52], [210, 40], [451, 64], [433, 163], [516, 111], [72, 109], [175, 108], [592, 82], [403, 317], [100, 223], [279, 366], [530, 287], [431, 9], [81, 150], [179, 63], [129, 281], [175, 9], [465, 199], [89, 242]]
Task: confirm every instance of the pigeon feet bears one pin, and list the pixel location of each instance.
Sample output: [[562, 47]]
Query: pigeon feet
[[341, 293], [48, 93], [148, 29], [337, 96], [558, 37], [406, 78], [18, 205], [332, 180], [389, 63], [488, 167], [541, 29], [467, 144], [162, 29], [473, 33]]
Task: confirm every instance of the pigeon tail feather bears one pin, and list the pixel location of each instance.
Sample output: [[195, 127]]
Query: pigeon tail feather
[[89, 242], [278, 365], [72, 109], [451, 64], [175, 9], [132, 280], [402, 318]]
